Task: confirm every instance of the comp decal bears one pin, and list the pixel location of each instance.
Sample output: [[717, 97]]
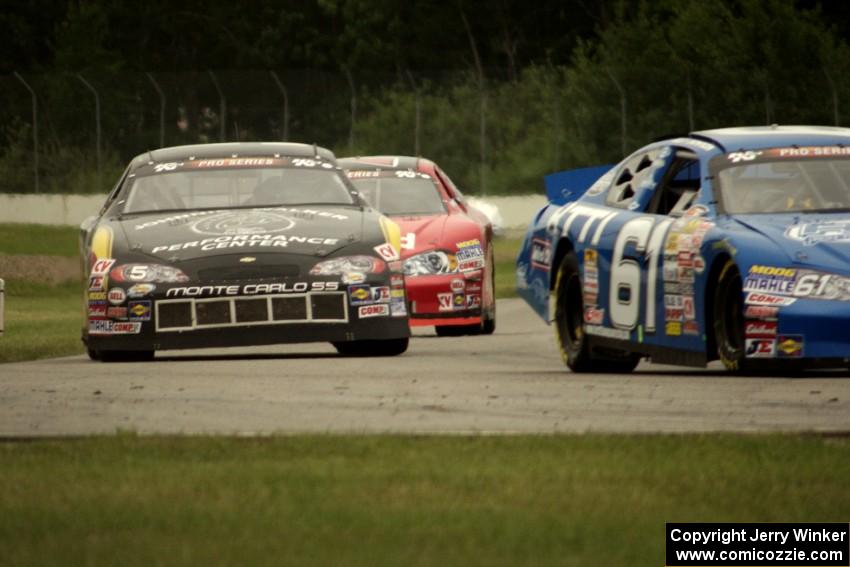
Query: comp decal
[[378, 310]]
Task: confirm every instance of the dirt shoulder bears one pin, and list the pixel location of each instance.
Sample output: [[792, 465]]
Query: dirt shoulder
[[40, 268]]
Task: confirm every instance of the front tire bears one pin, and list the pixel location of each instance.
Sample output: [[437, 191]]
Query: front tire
[[729, 318], [569, 326], [389, 347]]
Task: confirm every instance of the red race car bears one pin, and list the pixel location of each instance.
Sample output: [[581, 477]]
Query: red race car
[[446, 244]]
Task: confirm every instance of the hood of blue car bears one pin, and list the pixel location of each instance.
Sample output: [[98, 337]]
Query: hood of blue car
[[819, 241]]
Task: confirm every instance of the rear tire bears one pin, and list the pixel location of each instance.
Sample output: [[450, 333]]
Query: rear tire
[[123, 355], [569, 326], [388, 347], [729, 318]]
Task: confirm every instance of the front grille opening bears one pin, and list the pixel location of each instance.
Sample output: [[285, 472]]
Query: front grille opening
[[251, 310], [328, 306], [289, 309], [212, 312], [173, 315]]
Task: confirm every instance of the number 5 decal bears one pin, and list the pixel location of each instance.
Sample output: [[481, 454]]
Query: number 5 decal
[[624, 291]]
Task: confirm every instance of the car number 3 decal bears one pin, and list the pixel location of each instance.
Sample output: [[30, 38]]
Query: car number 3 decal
[[647, 237]]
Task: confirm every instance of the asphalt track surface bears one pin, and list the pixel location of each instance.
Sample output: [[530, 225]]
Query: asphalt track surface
[[511, 382]]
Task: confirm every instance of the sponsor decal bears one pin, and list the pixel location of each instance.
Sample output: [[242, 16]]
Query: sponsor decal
[[593, 316], [101, 267], [473, 286], [107, 327], [251, 289], [755, 298], [670, 272], [457, 285], [380, 310], [381, 294], [690, 328], [115, 312], [247, 259], [789, 346], [760, 329], [396, 293], [673, 328], [674, 301], [541, 254], [761, 312], [141, 290], [590, 298], [97, 309], [398, 307], [469, 265], [770, 279], [245, 241], [688, 306], [470, 249], [396, 266], [96, 282], [232, 223], [397, 280], [806, 152], [696, 211], [116, 296], [606, 332], [473, 301], [685, 275], [445, 301], [699, 264], [759, 348], [97, 296], [408, 241], [139, 310], [685, 260], [591, 257], [387, 252], [359, 294], [837, 231], [353, 277], [673, 314], [459, 300]]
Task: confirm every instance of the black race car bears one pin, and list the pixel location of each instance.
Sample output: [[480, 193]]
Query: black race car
[[240, 244]]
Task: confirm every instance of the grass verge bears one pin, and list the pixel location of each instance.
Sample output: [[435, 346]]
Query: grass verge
[[41, 320], [39, 239], [505, 253], [400, 500]]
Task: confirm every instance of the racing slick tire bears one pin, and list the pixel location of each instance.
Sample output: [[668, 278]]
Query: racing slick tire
[[729, 318], [388, 347], [121, 355], [569, 326]]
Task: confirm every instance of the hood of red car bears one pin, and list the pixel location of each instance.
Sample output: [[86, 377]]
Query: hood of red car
[[421, 233]]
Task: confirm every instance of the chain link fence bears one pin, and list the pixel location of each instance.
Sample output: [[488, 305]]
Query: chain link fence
[[74, 132]]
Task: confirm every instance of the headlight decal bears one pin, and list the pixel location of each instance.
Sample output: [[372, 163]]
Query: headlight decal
[[349, 266], [147, 273], [433, 262]]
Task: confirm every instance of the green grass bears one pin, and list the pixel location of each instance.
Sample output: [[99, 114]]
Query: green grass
[[400, 500], [506, 250], [39, 239], [41, 321]]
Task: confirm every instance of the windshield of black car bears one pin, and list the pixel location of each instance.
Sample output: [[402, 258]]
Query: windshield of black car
[[193, 187], [771, 184], [417, 195]]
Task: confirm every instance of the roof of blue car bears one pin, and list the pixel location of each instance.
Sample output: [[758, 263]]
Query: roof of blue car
[[756, 137]]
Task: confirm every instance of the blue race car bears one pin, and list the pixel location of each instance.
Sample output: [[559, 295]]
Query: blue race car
[[730, 243]]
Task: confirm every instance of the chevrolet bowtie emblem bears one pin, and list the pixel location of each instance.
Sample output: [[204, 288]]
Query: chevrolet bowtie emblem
[[247, 259]]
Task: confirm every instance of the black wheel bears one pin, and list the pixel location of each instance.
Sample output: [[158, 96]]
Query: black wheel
[[388, 347], [729, 318], [488, 314], [569, 327], [123, 355]]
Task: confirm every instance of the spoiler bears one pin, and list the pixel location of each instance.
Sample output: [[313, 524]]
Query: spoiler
[[566, 186]]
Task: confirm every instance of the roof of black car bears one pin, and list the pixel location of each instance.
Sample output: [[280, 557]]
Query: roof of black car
[[233, 149]]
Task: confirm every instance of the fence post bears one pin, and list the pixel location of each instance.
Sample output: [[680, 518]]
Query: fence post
[[834, 96], [34, 129], [622, 109], [222, 108], [161, 109], [351, 87], [96, 125], [283, 92], [483, 119], [690, 100], [2, 306], [418, 113]]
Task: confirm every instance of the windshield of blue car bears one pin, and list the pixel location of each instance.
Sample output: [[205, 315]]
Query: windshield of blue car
[[223, 188], [396, 196], [805, 185]]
